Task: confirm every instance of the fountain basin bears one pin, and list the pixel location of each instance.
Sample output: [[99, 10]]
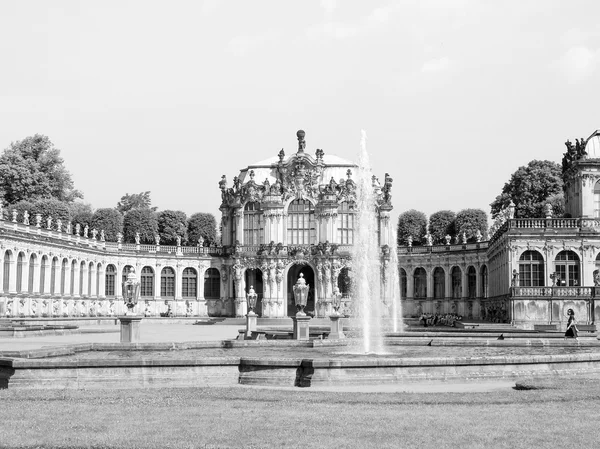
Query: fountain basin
[[288, 364]]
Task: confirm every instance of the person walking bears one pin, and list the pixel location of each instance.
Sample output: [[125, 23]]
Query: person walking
[[571, 331]]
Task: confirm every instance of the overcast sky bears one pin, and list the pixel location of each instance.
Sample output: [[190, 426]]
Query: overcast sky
[[168, 96]]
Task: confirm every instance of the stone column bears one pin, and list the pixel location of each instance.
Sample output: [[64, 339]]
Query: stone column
[[429, 283], [68, 275], [157, 275], [102, 284], [86, 277], [202, 311], [463, 281]]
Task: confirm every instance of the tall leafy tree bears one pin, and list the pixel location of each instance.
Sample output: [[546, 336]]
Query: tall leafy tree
[[530, 188], [135, 201], [202, 225], [442, 223], [31, 169], [143, 221], [53, 208], [172, 224], [110, 220], [411, 223], [81, 213], [470, 221], [21, 207]]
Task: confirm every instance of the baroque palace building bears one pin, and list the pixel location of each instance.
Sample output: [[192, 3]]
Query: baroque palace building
[[281, 218], [292, 215]]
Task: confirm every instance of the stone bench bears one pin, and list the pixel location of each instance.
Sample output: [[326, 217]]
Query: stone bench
[[586, 327]]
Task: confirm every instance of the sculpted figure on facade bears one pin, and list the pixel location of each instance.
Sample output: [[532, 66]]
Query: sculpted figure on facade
[[429, 239], [77, 229], [94, 234], [69, 228], [102, 236], [55, 306], [15, 212], [85, 231], [157, 239], [478, 236], [33, 307], [49, 223], [38, 220], [137, 238], [59, 226], [279, 275], [26, 218]]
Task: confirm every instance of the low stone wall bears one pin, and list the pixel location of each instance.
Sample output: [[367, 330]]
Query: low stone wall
[[17, 371]]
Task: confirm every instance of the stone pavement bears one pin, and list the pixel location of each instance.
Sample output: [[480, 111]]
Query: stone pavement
[[150, 333]]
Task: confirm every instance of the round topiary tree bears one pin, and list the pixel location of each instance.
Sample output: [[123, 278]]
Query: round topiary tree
[[441, 224], [411, 223]]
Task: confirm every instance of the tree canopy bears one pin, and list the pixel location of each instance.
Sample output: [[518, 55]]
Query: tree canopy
[[172, 224], [470, 221], [530, 188], [135, 201], [81, 213], [111, 220], [31, 169], [411, 223], [442, 223], [143, 221], [202, 225]]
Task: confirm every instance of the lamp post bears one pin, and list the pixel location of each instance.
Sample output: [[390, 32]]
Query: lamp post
[[130, 322], [337, 330], [301, 327], [251, 317]]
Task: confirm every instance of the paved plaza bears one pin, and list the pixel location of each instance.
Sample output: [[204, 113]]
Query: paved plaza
[[150, 333]]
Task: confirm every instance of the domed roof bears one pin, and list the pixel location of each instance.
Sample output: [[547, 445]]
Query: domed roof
[[592, 146]]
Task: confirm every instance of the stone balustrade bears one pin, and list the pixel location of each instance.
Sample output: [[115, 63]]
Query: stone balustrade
[[553, 292]]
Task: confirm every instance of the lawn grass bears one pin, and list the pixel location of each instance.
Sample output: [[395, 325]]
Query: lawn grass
[[550, 413]]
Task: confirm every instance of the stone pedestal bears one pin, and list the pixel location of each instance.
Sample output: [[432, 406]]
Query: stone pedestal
[[337, 329], [251, 324], [301, 327], [130, 328]]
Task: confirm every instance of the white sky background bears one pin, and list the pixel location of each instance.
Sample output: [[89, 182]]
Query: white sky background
[[455, 95]]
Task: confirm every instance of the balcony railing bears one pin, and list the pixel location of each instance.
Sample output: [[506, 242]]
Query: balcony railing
[[441, 248], [554, 292]]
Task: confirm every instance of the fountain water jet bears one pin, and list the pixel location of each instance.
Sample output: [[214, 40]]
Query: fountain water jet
[[366, 263]]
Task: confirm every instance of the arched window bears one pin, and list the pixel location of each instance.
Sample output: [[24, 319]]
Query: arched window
[[7, 261], [301, 223], [90, 279], [109, 282], [566, 267], [403, 283], [167, 283], [471, 282], [73, 266], [20, 263], [53, 271], [531, 269], [484, 281], [344, 282], [439, 283], [420, 283], [345, 220], [32, 260], [63, 276], [43, 274], [597, 200], [189, 281], [253, 224], [81, 278], [98, 270], [147, 282], [456, 276], [212, 284]]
